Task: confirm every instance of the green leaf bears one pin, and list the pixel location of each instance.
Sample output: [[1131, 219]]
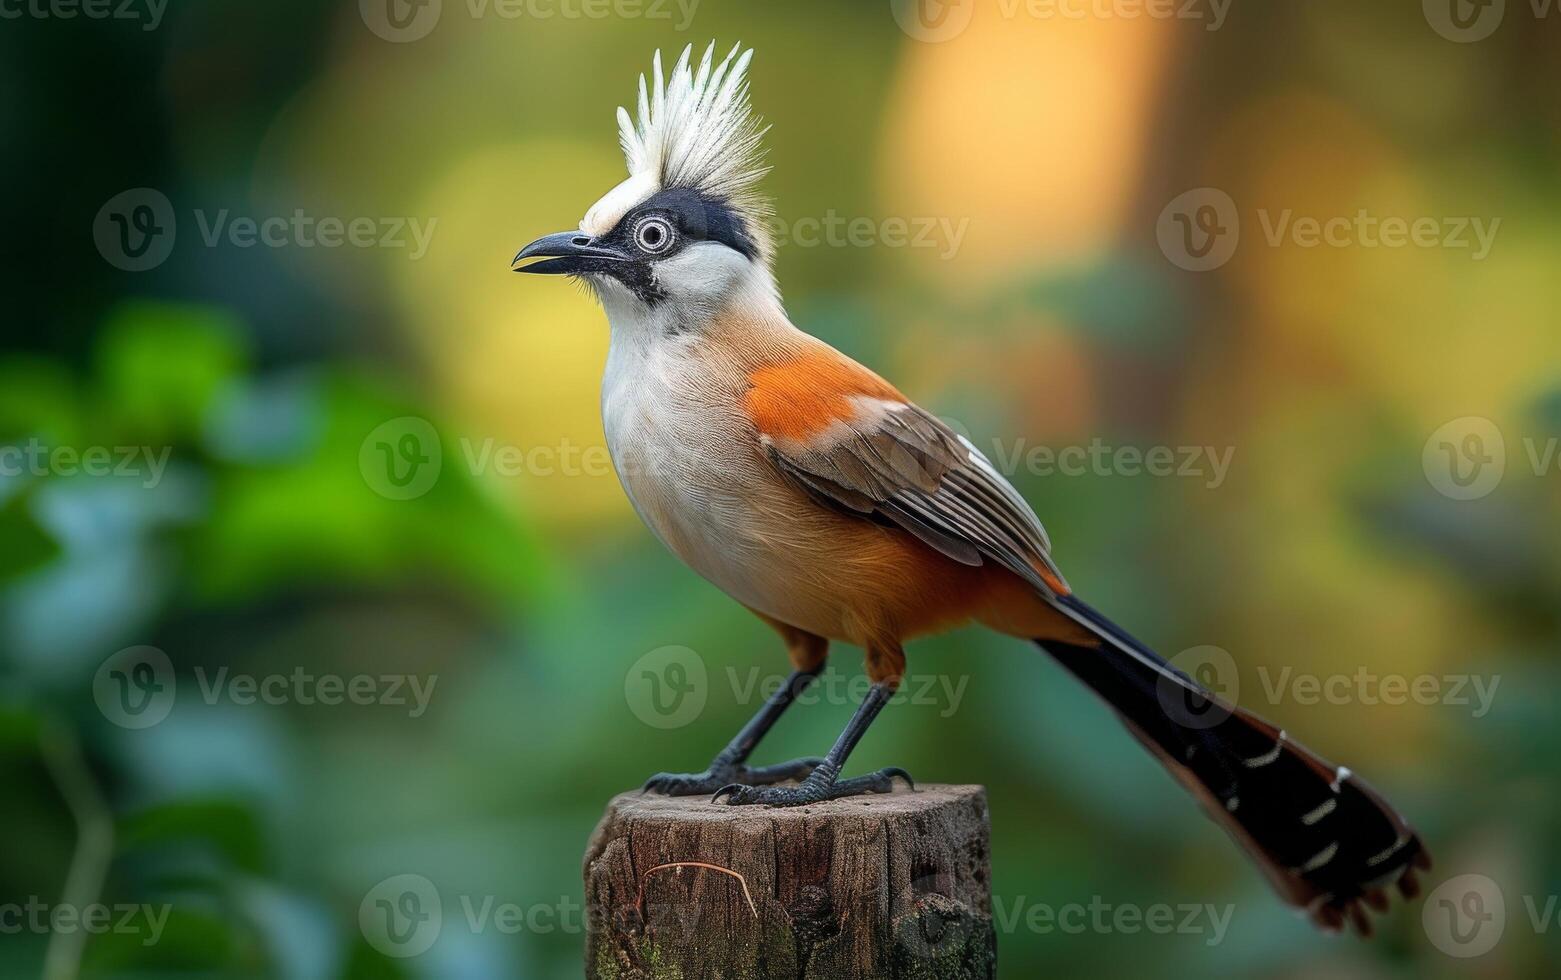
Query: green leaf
[[19, 726], [24, 546], [228, 825], [162, 364], [37, 398], [182, 937], [318, 520], [366, 963]]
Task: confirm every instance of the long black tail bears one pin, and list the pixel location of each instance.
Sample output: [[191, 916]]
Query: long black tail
[[1325, 839]]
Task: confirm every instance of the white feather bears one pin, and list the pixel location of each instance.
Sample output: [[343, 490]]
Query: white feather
[[693, 129]]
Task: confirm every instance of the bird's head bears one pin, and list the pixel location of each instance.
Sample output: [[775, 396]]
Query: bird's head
[[686, 233]]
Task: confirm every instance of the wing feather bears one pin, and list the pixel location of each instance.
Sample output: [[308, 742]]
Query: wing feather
[[896, 463]]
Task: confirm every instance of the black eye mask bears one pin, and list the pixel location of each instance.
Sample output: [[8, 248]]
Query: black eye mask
[[696, 216]]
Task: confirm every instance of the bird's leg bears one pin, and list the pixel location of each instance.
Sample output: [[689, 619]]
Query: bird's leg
[[824, 782], [729, 764]]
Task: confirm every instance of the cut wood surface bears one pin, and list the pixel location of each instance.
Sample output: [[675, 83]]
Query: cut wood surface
[[881, 886]]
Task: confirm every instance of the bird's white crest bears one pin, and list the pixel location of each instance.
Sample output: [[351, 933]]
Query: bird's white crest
[[694, 129]]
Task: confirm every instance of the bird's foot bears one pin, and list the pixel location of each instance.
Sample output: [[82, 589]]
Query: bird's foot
[[719, 775], [820, 785]]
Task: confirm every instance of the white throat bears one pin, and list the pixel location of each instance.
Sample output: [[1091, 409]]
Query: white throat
[[703, 284]]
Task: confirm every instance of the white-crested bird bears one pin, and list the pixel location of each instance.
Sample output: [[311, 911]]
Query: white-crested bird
[[812, 491]]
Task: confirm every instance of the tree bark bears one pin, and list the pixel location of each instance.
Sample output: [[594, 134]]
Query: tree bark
[[886, 886]]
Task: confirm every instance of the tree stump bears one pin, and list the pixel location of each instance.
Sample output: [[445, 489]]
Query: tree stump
[[884, 886]]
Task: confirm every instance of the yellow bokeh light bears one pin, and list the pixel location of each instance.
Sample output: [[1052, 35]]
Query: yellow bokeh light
[[1033, 128]]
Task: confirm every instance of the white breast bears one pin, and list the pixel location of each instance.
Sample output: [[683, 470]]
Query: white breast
[[680, 449], [691, 466]]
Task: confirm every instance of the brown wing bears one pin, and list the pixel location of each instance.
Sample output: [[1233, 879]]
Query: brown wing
[[890, 461]]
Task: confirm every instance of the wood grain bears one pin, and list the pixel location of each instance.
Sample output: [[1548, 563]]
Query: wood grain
[[890, 886]]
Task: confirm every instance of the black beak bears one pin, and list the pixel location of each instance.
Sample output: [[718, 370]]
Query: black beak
[[567, 253]]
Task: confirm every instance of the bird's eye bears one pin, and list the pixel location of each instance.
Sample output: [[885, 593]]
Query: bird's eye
[[653, 235]]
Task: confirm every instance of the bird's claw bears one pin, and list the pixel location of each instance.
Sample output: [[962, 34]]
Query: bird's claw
[[813, 790], [725, 776], [681, 783], [735, 789]]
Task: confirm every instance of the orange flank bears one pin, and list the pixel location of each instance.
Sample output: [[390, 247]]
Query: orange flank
[[801, 397]]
